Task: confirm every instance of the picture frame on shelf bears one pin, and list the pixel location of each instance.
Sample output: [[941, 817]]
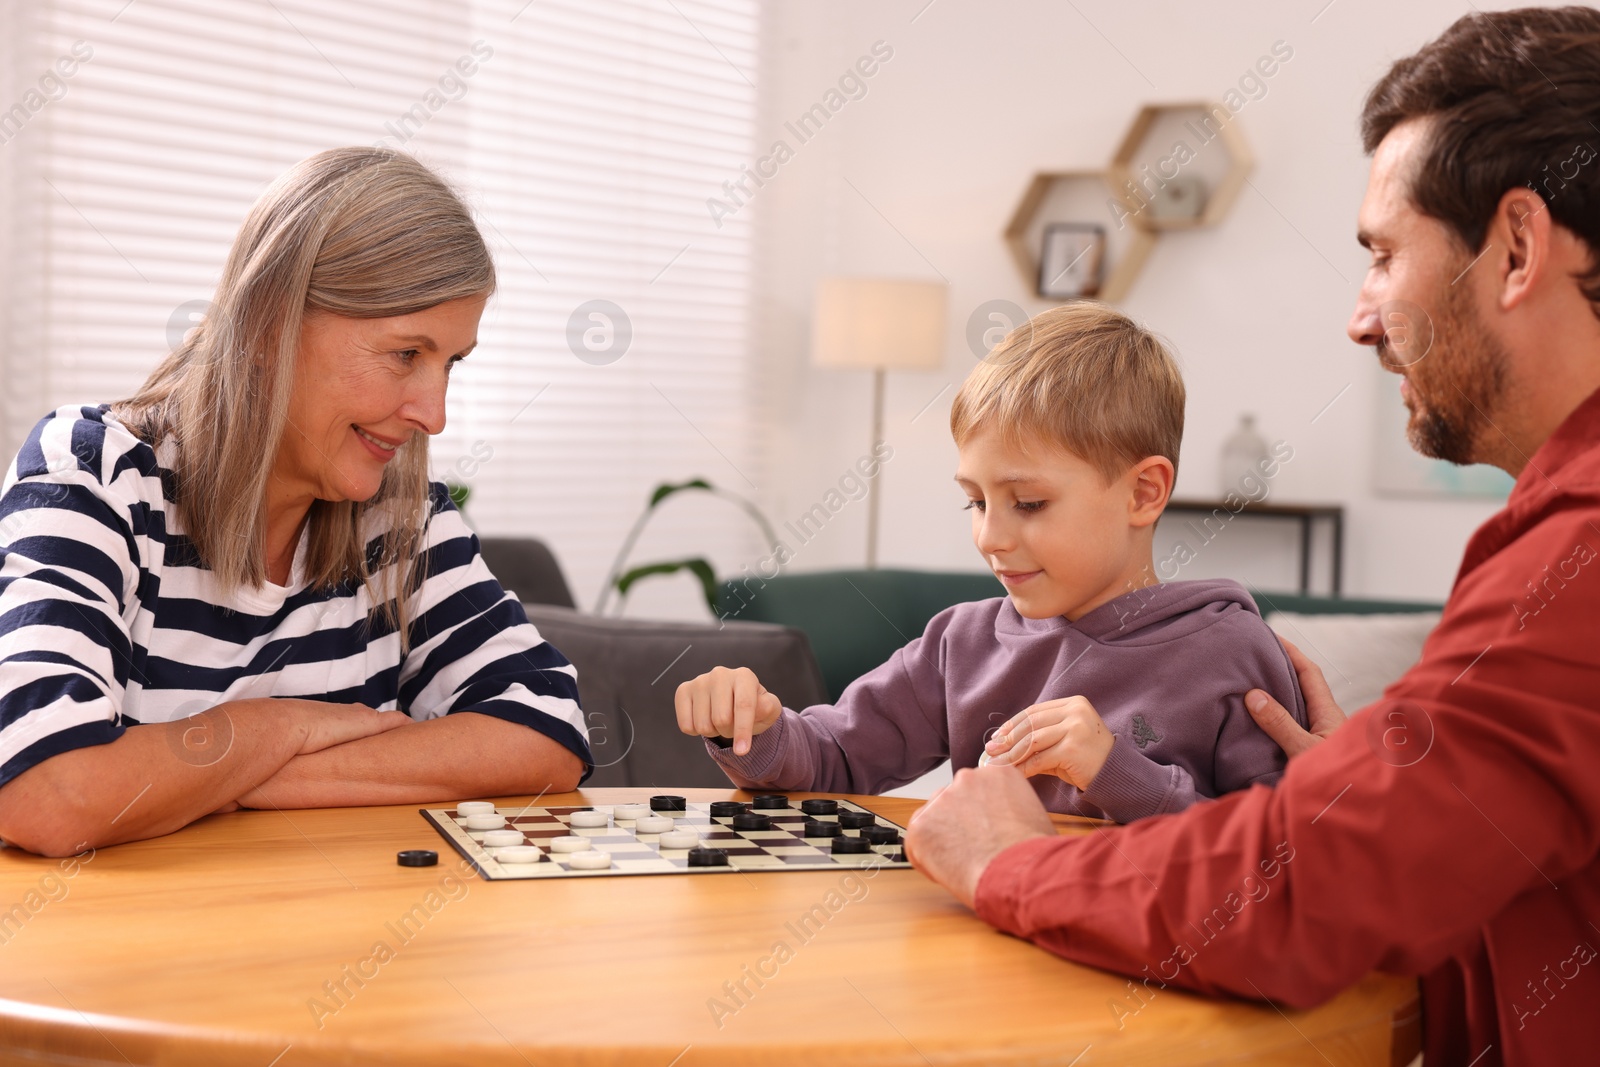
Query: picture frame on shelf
[[1070, 260]]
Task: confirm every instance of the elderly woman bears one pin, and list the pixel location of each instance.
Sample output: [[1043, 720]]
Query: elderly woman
[[238, 589]]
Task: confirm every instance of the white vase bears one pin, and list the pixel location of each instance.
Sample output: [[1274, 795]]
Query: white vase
[[1240, 471]]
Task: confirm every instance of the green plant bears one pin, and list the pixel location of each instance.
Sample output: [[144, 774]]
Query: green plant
[[699, 567], [621, 581]]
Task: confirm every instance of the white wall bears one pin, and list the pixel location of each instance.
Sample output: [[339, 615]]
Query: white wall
[[918, 178]]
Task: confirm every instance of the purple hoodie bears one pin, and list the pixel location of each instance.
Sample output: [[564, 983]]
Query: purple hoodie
[[1166, 667]]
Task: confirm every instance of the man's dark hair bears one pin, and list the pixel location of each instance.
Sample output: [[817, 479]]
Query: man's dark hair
[[1512, 99]]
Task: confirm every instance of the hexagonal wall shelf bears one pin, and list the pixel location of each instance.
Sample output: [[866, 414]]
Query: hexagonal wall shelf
[[1179, 166], [1084, 196]]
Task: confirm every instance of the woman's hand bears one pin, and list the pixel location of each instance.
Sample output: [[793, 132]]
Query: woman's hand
[[159, 777], [729, 703], [1325, 715], [465, 753], [1062, 737], [327, 725]]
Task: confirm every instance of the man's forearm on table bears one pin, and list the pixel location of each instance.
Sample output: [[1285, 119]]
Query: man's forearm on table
[[460, 755]]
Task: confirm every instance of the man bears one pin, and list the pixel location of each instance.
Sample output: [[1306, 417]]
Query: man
[[1451, 829]]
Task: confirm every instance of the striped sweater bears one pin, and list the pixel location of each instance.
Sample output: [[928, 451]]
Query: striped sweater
[[108, 620]]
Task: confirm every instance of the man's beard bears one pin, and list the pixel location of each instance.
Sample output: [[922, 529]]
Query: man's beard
[[1456, 386]]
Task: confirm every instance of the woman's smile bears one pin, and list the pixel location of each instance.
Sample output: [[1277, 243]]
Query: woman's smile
[[381, 448]]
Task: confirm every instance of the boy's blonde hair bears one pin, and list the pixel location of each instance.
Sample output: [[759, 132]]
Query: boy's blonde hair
[[1083, 377]]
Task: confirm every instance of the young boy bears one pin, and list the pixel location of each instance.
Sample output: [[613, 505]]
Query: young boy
[[1123, 697]]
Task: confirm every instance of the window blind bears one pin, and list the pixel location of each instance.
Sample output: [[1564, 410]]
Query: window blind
[[586, 137]]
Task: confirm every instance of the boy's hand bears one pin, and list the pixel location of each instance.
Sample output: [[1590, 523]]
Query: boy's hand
[[1061, 737], [726, 702]]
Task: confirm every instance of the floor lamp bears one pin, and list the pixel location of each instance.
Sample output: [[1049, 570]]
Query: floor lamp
[[878, 324]]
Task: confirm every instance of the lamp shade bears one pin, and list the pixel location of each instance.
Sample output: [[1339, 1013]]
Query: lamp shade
[[879, 323]]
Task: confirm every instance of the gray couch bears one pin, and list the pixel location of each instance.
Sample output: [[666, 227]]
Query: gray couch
[[629, 669]]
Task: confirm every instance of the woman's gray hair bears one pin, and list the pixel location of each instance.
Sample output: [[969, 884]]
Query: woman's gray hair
[[359, 232]]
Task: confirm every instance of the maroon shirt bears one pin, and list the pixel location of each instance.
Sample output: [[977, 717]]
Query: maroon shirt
[[1449, 830], [1166, 668]]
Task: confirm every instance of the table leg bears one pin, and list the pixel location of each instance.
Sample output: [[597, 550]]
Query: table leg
[[1338, 553], [1305, 555]]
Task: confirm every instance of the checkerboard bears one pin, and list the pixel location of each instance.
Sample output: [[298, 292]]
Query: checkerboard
[[781, 848]]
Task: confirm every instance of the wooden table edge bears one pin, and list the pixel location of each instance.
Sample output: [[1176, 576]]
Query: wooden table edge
[[32, 1033]]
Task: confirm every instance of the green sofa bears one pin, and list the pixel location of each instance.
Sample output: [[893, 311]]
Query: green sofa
[[857, 618]]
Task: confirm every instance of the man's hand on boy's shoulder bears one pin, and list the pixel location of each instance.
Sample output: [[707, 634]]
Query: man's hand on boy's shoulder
[[1322, 712], [1064, 737], [726, 702]]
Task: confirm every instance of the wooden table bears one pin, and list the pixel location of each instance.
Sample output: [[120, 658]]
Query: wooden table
[[229, 942]]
